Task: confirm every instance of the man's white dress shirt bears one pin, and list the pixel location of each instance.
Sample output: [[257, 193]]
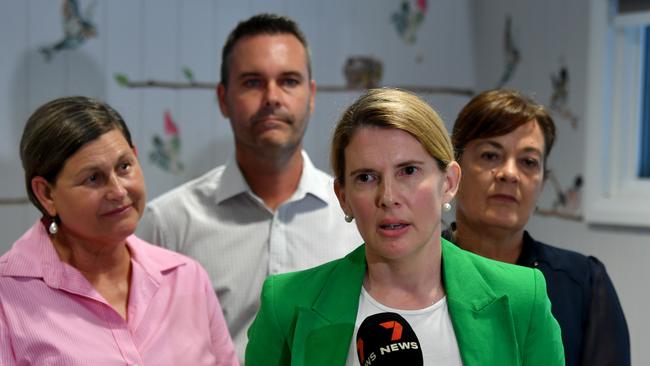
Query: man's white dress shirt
[[217, 220]]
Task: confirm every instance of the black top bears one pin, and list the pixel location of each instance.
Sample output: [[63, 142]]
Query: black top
[[584, 302]]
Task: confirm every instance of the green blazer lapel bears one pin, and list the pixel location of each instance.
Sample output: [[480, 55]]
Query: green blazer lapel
[[482, 319], [323, 332]]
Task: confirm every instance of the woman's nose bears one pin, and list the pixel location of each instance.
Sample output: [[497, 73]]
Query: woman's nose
[[508, 171], [386, 197], [116, 189]]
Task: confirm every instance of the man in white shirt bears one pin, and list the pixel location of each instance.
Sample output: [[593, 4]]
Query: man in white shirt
[[268, 210]]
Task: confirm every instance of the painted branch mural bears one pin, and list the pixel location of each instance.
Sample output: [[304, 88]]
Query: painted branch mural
[[511, 53]]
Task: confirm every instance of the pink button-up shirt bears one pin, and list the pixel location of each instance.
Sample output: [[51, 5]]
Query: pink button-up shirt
[[51, 315]]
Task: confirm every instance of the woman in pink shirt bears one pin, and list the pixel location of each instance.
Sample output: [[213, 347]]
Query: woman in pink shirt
[[79, 288]]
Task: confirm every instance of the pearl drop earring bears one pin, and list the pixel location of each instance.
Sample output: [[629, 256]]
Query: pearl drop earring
[[53, 228]]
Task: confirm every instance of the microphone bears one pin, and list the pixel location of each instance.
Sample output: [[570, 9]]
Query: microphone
[[388, 339]]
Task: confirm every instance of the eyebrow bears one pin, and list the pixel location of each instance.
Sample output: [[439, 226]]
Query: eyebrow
[[245, 75], [295, 74], [500, 147], [399, 165], [409, 163], [491, 143], [254, 74], [93, 166]]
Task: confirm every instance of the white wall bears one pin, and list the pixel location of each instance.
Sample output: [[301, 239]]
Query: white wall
[[155, 39], [549, 32]]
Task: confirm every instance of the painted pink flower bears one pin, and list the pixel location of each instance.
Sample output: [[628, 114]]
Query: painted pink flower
[[422, 5], [170, 126]]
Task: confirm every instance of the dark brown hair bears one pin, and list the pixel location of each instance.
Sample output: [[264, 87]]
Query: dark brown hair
[[57, 129], [271, 24], [498, 112]]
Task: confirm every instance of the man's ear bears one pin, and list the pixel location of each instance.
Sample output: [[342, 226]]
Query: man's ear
[[452, 181], [339, 189], [312, 98], [44, 194], [221, 98]]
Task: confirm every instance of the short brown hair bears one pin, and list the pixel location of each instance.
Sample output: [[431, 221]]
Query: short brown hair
[[57, 129], [261, 24], [498, 112], [391, 109]]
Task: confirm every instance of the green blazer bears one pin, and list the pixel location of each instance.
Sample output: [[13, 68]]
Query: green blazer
[[500, 313]]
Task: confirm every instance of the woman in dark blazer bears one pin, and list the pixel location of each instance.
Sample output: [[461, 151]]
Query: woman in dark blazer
[[502, 140], [406, 296]]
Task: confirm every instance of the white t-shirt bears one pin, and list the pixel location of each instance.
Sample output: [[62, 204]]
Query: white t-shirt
[[432, 325]]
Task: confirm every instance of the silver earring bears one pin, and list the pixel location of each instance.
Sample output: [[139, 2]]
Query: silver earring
[[446, 206], [54, 228], [348, 218]]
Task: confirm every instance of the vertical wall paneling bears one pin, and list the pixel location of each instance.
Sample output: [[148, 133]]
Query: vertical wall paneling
[[267, 6], [46, 79], [321, 122], [85, 66], [226, 16], [160, 61], [206, 140], [123, 39], [13, 36], [14, 33]]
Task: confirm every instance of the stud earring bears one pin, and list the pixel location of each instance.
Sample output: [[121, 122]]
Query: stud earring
[[446, 206], [54, 228], [348, 218]]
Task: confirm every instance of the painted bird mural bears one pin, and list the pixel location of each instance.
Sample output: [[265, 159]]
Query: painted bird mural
[[560, 96], [511, 51], [77, 28], [567, 201], [407, 20], [166, 152]]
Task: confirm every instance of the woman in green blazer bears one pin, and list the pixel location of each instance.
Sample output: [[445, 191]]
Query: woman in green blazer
[[395, 174]]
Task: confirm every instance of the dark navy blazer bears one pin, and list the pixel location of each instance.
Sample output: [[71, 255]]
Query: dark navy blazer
[[583, 301]]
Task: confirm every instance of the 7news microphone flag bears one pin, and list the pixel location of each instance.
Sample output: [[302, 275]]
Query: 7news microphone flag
[[388, 339]]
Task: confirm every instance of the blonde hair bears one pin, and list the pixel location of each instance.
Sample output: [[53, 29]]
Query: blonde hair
[[392, 109]]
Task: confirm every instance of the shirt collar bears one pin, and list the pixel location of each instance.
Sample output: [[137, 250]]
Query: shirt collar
[[530, 252], [529, 255], [232, 182], [33, 255], [154, 260], [311, 182]]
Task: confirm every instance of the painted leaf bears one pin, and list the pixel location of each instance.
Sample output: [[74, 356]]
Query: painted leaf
[[188, 73], [121, 79]]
